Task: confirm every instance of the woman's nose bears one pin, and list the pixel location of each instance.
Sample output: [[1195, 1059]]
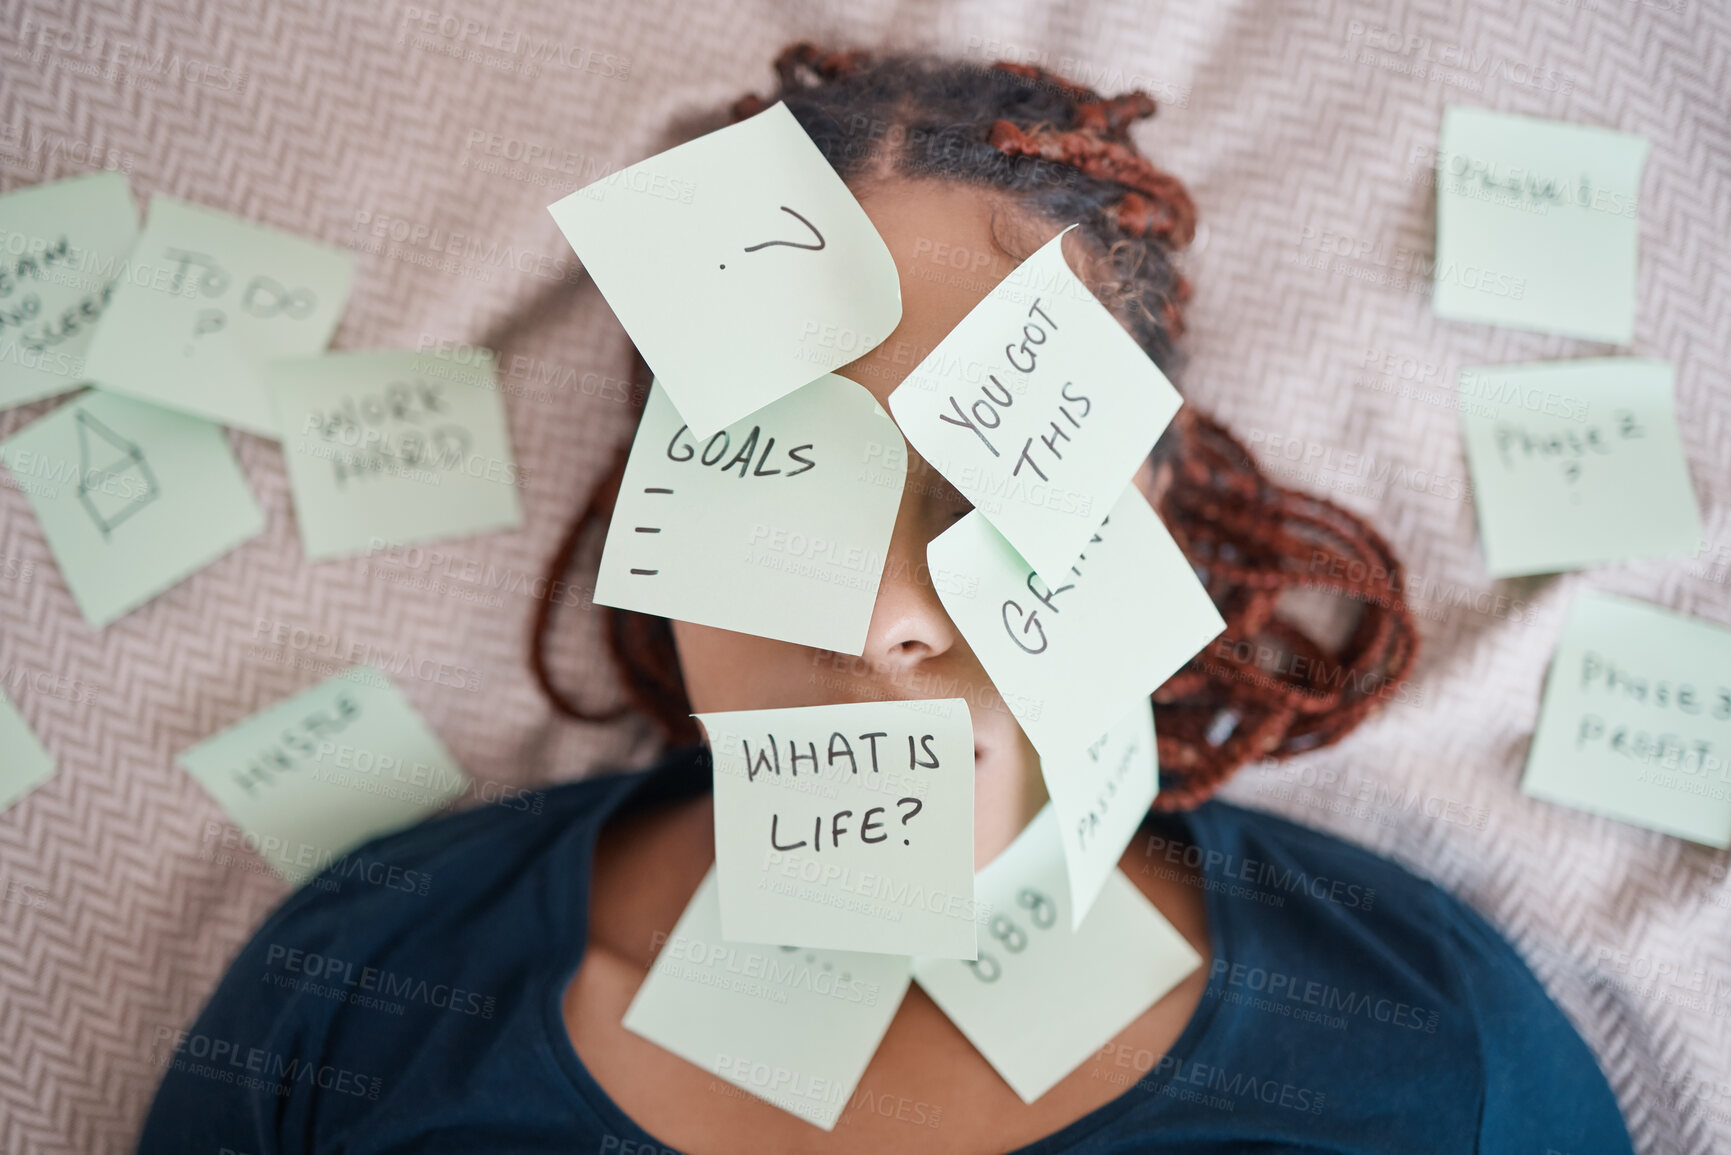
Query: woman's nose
[[909, 624]]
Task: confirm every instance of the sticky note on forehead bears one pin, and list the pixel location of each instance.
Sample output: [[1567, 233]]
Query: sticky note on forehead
[[208, 298], [1072, 657], [1536, 224], [848, 827], [1039, 408], [1575, 463], [733, 261], [777, 525], [1636, 719]]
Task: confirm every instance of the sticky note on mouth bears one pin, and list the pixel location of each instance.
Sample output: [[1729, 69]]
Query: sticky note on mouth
[[1039, 408], [733, 261], [207, 299], [1636, 719], [61, 247], [848, 827], [777, 525]]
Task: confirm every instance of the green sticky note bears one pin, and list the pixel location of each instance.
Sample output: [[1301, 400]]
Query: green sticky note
[[24, 764], [61, 247], [132, 498], [1536, 224], [1100, 795], [1576, 462], [849, 826], [313, 777], [794, 1026], [393, 446], [1636, 719], [207, 299], [1041, 997], [740, 264]]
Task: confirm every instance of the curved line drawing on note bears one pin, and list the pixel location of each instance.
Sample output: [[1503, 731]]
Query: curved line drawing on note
[[793, 244]]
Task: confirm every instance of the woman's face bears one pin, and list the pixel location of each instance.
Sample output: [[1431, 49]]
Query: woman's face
[[912, 649]]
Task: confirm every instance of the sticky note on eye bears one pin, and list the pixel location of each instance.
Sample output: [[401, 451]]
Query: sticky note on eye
[[1536, 224], [206, 300], [1100, 795], [311, 778], [1073, 657], [794, 1026], [1039, 408], [132, 498], [1041, 997], [24, 764], [393, 446], [777, 525], [739, 263], [61, 247], [849, 827], [1636, 719], [1575, 463]]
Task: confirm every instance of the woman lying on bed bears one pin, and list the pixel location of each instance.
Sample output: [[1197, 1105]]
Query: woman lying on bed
[[543, 932]]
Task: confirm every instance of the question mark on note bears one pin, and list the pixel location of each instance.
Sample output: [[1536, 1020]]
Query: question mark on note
[[1572, 471], [918, 806], [792, 244], [207, 321]]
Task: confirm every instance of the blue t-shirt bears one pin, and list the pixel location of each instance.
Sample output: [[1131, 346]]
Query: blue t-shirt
[[409, 1000]]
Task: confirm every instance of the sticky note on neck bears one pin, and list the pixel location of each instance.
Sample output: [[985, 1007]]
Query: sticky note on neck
[[1100, 795], [777, 525], [740, 265], [24, 764], [393, 446], [849, 827], [1636, 719], [794, 1026], [206, 300], [1039, 408], [1041, 997], [1073, 657], [132, 498], [62, 245], [316, 775], [1536, 224], [1576, 462]]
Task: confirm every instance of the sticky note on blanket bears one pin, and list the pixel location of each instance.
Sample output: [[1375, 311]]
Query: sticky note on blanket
[[1636, 719], [1041, 998], [1536, 224], [24, 764], [777, 525], [209, 298], [739, 263], [794, 1026], [1576, 462], [1039, 408], [393, 446], [311, 778], [849, 827], [1073, 658], [61, 247], [1100, 795], [132, 498]]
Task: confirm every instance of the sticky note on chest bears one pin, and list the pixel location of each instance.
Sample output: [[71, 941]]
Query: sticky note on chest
[[777, 525], [849, 827], [1536, 224], [132, 498], [1576, 462], [1039, 408], [1636, 719], [393, 446], [207, 299], [61, 247], [1041, 998], [739, 263], [794, 1026], [24, 764], [1073, 657], [1100, 795], [312, 777]]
